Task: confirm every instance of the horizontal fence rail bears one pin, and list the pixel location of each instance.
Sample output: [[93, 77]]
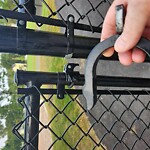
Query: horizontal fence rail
[[63, 9], [128, 127], [41, 43], [22, 77]]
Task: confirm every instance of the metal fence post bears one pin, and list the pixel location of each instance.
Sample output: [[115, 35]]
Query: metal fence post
[[34, 124], [120, 119], [32, 102]]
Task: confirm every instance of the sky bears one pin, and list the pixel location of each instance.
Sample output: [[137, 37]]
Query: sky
[[4, 102], [2, 142]]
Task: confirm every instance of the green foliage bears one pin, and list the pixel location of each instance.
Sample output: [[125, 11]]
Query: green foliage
[[12, 144], [7, 4], [7, 60], [12, 112]]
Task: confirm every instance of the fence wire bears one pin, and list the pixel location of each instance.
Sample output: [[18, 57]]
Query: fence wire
[[116, 122], [84, 11]]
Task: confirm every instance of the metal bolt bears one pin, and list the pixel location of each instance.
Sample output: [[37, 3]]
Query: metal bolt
[[71, 19], [21, 22], [69, 66]]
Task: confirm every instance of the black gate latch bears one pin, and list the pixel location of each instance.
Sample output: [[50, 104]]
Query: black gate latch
[[69, 77], [70, 36], [90, 86]]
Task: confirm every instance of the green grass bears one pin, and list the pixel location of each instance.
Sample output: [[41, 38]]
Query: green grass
[[61, 123], [31, 63]]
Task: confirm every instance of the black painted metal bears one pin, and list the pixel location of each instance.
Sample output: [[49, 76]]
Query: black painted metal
[[42, 43], [28, 91], [45, 20], [31, 123], [34, 124], [70, 36], [116, 110], [30, 7], [22, 77], [127, 118]]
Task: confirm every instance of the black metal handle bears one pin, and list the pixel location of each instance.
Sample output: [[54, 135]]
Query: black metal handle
[[90, 86]]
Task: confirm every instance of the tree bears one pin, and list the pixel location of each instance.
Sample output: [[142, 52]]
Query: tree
[[12, 112], [8, 5], [2, 130]]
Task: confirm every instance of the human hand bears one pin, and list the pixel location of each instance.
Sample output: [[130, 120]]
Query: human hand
[[137, 25]]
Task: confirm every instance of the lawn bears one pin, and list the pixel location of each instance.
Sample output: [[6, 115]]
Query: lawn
[[60, 124]]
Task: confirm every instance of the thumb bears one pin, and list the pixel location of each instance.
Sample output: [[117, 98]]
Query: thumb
[[135, 22]]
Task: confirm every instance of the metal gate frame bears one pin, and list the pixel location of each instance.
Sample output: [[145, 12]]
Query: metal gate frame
[[25, 41]]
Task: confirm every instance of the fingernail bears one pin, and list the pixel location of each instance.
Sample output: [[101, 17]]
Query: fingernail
[[120, 45]]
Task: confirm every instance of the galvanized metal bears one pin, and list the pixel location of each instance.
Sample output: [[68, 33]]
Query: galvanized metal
[[119, 18]]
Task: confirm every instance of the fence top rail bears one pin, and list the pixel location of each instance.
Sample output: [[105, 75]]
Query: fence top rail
[[84, 17]]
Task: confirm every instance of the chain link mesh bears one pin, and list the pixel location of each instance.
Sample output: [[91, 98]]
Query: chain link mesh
[[84, 11], [116, 122]]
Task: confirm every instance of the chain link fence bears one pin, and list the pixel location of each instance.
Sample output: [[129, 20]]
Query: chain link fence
[[120, 120], [84, 11], [71, 126]]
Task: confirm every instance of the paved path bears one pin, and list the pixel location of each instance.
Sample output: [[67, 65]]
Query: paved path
[[45, 139]]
